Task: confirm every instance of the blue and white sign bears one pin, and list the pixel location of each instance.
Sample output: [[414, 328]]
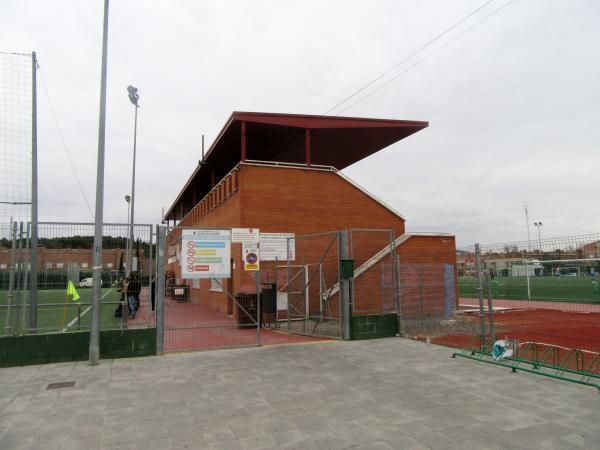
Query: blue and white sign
[[205, 254]]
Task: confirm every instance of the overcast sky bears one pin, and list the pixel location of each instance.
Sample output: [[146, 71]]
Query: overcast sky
[[513, 104]]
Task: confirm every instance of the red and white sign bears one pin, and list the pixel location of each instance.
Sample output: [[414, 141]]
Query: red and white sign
[[207, 254]]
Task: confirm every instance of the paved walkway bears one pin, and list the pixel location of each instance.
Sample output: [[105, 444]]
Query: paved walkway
[[194, 326], [378, 394]]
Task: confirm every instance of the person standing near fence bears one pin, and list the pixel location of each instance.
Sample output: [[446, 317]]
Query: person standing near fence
[[129, 298], [136, 288], [133, 294], [595, 291]]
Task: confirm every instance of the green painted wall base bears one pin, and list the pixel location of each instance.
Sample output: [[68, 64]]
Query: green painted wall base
[[373, 326], [63, 347]]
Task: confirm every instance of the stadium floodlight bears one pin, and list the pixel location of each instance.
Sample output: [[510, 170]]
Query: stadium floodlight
[[132, 93]]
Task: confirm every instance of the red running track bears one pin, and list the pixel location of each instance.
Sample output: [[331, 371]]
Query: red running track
[[572, 325]]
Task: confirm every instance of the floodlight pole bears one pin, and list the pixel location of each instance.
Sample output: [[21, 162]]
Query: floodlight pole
[[34, 201], [94, 350], [128, 243], [131, 218], [527, 220], [538, 225]]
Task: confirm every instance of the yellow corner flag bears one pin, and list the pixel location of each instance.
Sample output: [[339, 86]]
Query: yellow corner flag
[[71, 291]]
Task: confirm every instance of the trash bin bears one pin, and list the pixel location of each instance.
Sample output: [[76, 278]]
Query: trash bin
[[247, 301], [180, 293]]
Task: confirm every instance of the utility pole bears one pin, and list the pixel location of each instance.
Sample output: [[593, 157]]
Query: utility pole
[[94, 351]]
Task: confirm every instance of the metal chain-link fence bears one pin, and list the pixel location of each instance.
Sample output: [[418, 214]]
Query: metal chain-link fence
[[64, 278], [543, 290]]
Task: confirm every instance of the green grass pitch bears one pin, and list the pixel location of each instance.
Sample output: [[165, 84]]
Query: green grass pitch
[[557, 289], [54, 314]]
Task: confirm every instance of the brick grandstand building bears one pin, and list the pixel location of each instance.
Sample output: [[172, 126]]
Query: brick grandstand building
[[280, 173]]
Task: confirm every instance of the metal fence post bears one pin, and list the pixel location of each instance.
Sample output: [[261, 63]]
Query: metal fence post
[[351, 285], [382, 285], [488, 280], [276, 293], [305, 294], [25, 285], [33, 297], [480, 292], [421, 308], [346, 309], [393, 263], [160, 289], [258, 309], [289, 291], [150, 275], [11, 277], [20, 278], [398, 294]]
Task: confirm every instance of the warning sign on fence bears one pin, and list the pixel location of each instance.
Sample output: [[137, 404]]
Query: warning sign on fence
[[251, 256], [250, 239], [205, 254]]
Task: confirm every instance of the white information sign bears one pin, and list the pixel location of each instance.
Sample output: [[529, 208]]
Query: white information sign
[[282, 301], [205, 254], [245, 235], [273, 246]]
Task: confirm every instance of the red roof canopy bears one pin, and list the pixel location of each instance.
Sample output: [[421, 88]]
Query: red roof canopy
[[334, 141]]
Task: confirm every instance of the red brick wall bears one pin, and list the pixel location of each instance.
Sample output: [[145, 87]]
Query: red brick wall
[[428, 250], [307, 201], [422, 260], [304, 201]]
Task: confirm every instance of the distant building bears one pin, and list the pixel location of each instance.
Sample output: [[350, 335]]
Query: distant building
[[591, 250]]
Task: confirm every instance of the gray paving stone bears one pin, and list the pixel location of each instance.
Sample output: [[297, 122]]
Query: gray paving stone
[[153, 444], [116, 437], [226, 445], [244, 429], [379, 394], [379, 445], [119, 447], [218, 433], [257, 442]]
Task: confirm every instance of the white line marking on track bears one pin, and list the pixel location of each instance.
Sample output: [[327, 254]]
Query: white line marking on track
[[72, 322]]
